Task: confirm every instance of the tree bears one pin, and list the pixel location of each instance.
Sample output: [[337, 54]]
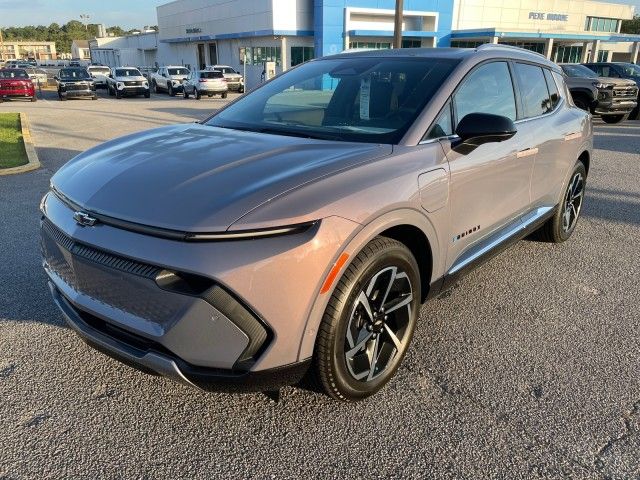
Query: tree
[[631, 26]]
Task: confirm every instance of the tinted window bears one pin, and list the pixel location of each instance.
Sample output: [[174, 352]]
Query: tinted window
[[443, 126], [211, 74], [553, 89], [127, 72], [578, 71], [533, 89], [178, 71], [13, 73], [488, 89], [367, 99]]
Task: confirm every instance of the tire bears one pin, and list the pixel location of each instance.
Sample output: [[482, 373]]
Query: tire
[[155, 87], [172, 92], [186, 94], [614, 118], [147, 95], [384, 267], [581, 102], [34, 99], [224, 95], [118, 94], [95, 97], [210, 95], [635, 113], [560, 227], [111, 92], [196, 92]]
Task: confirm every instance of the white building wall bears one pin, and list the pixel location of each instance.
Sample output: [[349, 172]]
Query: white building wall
[[131, 50]]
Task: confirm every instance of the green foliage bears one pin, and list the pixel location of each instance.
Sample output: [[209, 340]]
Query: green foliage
[[62, 35], [12, 153], [631, 26]]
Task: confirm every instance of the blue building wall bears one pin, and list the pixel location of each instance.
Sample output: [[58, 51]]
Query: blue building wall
[[329, 20]]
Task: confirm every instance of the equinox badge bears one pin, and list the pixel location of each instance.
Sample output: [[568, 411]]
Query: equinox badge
[[84, 219]]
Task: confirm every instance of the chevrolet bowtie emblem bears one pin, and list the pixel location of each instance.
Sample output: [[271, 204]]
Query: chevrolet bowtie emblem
[[84, 219]]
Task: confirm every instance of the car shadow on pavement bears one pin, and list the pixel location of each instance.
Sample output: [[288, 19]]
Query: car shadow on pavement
[[612, 206]]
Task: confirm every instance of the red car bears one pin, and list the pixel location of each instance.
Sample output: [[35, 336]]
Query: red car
[[15, 83]]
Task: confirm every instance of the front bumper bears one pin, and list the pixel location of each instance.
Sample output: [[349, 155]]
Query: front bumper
[[78, 93], [135, 90], [163, 363], [116, 292], [22, 93]]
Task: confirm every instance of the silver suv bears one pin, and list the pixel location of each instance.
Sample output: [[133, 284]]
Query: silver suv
[[302, 226]]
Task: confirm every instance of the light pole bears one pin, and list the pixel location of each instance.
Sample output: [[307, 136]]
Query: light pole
[[1, 46], [85, 19], [397, 27]]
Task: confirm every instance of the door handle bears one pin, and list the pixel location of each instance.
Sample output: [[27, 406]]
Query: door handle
[[527, 152]]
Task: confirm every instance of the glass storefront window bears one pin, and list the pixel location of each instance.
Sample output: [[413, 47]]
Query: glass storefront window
[[371, 45], [600, 24], [567, 54], [259, 55], [301, 54]]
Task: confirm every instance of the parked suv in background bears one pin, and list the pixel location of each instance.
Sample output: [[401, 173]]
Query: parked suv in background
[[611, 98], [75, 82], [303, 225], [100, 74], [629, 71], [205, 82], [15, 83], [234, 79], [127, 81], [169, 79]]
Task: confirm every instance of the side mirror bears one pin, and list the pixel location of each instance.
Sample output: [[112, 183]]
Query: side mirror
[[110, 75], [478, 128]]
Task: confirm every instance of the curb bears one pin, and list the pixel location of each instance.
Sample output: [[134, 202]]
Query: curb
[[32, 155]]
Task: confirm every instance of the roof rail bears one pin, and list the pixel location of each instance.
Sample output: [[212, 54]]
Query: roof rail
[[511, 47]]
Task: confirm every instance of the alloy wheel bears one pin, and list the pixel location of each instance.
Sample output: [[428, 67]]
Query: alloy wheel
[[573, 202], [378, 327]]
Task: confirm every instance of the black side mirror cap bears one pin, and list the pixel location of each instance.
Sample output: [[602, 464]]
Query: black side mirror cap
[[478, 128]]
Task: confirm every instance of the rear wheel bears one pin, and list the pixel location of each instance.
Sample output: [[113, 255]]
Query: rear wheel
[[560, 227], [197, 94], [369, 321], [614, 118], [224, 95]]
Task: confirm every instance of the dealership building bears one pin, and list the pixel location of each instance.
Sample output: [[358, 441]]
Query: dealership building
[[246, 33]]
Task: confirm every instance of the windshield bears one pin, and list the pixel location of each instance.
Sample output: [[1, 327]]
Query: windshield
[[178, 71], [73, 73], [630, 69], [13, 73], [127, 72], [100, 70], [362, 99], [578, 71]]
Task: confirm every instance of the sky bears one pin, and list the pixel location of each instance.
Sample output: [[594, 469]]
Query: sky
[[125, 13]]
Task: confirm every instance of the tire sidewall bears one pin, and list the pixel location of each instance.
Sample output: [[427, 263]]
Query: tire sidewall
[[557, 220], [393, 256]]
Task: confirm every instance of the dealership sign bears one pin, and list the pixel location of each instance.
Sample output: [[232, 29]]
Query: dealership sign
[[556, 17], [194, 30]]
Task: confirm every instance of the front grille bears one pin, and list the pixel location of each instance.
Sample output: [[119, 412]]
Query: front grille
[[132, 84], [74, 87], [97, 256], [13, 88], [625, 93]]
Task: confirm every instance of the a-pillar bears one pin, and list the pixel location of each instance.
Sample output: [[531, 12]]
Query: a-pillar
[[548, 47], [635, 51], [595, 49]]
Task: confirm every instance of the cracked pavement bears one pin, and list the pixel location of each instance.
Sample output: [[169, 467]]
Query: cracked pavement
[[528, 368]]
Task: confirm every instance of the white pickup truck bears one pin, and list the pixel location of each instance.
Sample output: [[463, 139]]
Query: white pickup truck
[[169, 79], [127, 81]]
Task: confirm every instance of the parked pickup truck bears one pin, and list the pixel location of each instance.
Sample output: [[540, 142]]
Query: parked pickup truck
[[615, 70], [613, 99], [169, 79], [99, 73], [127, 81]]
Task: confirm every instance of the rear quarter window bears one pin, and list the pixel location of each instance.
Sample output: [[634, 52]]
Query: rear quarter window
[[533, 90]]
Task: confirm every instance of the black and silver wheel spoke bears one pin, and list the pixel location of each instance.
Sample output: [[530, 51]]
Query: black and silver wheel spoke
[[573, 202], [378, 324]]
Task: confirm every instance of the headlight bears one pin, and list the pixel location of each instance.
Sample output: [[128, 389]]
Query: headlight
[[250, 234], [120, 85], [145, 84], [42, 203], [602, 85]]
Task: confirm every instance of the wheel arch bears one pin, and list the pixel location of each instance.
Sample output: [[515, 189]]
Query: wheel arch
[[408, 226], [585, 158]]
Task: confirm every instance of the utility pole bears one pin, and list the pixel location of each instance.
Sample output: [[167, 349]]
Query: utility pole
[[1, 46], [397, 29]]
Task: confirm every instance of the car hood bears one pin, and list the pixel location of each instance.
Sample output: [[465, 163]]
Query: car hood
[[618, 82], [196, 178]]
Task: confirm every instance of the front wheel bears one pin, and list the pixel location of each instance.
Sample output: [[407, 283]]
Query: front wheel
[[186, 94], [197, 94], [581, 102], [224, 95], [369, 321], [172, 92], [34, 99], [147, 94], [560, 227], [614, 118]]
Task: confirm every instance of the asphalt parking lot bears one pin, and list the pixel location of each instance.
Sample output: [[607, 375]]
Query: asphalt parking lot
[[528, 368]]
